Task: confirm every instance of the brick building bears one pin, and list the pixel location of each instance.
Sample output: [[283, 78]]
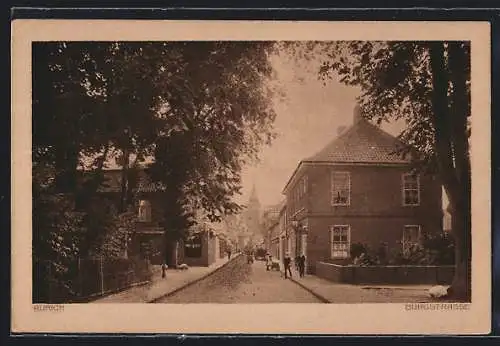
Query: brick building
[[358, 190], [148, 239], [271, 224]]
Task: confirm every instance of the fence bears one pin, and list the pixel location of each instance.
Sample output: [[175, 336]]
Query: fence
[[398, 275], [85, 279]]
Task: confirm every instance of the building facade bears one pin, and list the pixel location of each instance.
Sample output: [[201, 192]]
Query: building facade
[[282, 232], [271, 224], [357, 189], [148, 240]]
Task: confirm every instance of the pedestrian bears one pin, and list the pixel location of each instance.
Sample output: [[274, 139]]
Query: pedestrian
[[268, 262], [164, 270], [249, 258], [228, 254], [302, 265], [287, 263]]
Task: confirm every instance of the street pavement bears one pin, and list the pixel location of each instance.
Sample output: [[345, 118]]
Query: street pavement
[[339, 293], [158, 287], [240, 282]]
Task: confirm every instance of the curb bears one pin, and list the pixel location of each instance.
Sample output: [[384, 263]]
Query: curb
[[190, 283], [393, 288], [317, 295], [95, 297]]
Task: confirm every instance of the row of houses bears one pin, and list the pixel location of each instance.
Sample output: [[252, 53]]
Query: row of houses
[[357, 189]]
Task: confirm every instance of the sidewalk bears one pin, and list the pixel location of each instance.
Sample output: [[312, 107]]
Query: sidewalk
[[160, 287], [332, 292]]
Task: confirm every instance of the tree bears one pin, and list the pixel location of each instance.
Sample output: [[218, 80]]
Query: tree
[[200, 110], [426, 84], [218, 112]]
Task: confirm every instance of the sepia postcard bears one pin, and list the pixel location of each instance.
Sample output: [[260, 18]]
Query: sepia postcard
[[252, 177]]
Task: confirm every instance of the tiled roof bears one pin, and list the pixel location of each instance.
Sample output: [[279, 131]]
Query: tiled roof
[[363, 142]]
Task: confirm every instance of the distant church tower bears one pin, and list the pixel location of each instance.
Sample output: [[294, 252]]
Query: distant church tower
[[252, 213]]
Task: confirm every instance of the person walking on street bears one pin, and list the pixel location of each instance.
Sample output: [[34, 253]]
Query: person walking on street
[[249, 258], [228, 254], [269, 262], [302, 265], [164, 270], [287, 263]]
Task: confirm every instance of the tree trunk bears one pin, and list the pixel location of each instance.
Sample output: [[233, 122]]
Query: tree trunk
[[460, 288], [460, 109], [66, 169], [171, 253], [453, 164]]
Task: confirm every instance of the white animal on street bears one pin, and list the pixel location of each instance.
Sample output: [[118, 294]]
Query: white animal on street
[[438, 291], [183, 266]]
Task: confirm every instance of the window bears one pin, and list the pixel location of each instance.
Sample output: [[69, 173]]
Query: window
[[192, 247], [411, 237], [341, 188], [340, 241], [304, 182], [411, 189], [144, 211]]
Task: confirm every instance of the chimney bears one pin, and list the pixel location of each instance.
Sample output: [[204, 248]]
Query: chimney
[[340, 130], [357, 114]]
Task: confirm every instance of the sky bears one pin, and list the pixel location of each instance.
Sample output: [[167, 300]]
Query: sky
[[307, 119]]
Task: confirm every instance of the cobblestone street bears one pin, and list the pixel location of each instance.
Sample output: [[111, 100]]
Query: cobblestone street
[[243, 283]]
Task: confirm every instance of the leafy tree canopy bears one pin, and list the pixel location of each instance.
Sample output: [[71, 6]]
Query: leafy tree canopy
[[199, 110]]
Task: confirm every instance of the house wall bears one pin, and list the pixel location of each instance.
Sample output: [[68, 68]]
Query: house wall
[[275, 248], [297, 197], [212, 246], [217, 249], [375, 190], [208, 252], [376, 213], [368, 230], [151, 246], [157, 205]]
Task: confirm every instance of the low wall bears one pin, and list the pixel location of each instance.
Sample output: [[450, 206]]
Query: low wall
[[396, 275], [87, 279]]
